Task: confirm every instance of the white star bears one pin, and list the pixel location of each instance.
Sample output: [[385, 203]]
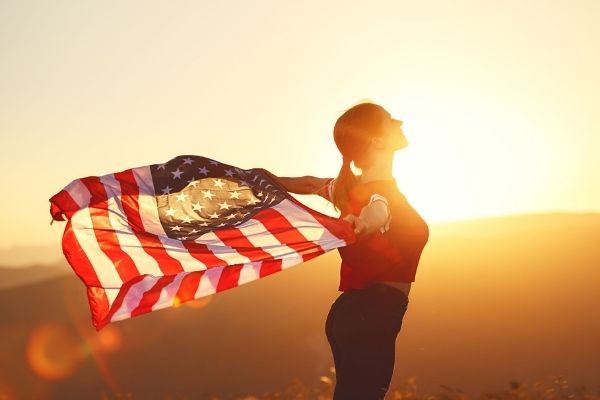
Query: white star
[[203, 170], [234, 195], [181, 196], [213, 215], [242, 182], [192, 182], [176, 228], [204, 224], [183, 237], [207, 193], [170, 212], [222, 224], [261, 181], [253, 200], [229, 172], [259, 194], [224, 206], [193, 231], [161, 166], [187, 160], [213, 162], [197, 206], [186, 219], [219, 183], [268, 185], [230, 216], [255, 177], [177, 174], [167, 190]]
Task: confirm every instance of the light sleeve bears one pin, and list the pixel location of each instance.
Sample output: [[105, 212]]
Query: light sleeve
[[386, 225], [330, 189]]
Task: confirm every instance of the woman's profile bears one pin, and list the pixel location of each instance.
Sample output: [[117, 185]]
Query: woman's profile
[[378, 269]]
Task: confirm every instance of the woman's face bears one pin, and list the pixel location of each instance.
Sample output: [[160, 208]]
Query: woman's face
[[395, 135]]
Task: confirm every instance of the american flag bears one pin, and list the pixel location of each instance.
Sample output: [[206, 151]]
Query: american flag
[[155, 236]]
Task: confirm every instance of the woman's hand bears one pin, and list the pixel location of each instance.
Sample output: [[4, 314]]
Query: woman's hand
[[359, 225], [372, 217]]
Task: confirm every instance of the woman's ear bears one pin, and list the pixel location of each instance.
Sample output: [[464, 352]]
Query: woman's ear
[[378, 142]]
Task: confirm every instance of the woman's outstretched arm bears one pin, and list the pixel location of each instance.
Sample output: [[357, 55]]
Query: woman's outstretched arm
[[302, 184]]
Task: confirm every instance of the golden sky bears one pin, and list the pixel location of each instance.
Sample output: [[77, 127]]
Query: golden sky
[[500, 100]]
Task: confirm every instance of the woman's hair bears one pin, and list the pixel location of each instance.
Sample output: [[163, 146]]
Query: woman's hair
[[352, 133]]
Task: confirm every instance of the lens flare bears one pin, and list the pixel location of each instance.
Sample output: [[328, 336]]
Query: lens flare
[[53, 351], [200, 302], [6, 391], [108, 339]]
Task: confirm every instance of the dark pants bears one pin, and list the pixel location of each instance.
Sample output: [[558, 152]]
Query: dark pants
[[361, 327]]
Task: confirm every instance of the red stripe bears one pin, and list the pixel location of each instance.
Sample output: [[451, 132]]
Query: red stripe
[[105, 235], [118, 302], [286, 233], [62, 203], [229, 277], [233, 237], [77, 257], [98, 305], [269, 267], [150, 297], [202, 253], [188, 286], [150, 242], [339, 228]]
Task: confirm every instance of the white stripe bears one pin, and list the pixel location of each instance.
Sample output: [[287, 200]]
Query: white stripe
[[111, 295], [259, 236], [133, 297], [291, 261], [208, 282], [250, 272], [308, 226], [167, 293], [220, 250], [150, 220], [126, 238], [83, 229], [79, 192]]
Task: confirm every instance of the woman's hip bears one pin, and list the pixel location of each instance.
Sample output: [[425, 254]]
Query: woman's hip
[[374, 310]]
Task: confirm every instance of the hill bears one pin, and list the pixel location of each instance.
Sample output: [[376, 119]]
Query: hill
[[495, 300]]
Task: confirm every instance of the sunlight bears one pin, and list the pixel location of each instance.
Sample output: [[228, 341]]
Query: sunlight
[[465, 155]]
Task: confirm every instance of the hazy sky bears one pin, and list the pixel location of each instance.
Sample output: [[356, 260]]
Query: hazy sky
[[500, 100]]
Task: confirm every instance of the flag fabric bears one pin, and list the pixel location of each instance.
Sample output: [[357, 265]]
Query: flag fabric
[[155, 236]]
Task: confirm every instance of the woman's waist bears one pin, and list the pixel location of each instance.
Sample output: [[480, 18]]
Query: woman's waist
[[402, 286]]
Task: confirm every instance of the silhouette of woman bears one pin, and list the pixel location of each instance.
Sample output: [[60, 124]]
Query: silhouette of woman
[[378, 269]]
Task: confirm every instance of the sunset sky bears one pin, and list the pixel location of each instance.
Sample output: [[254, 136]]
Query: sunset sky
[[500, 100]]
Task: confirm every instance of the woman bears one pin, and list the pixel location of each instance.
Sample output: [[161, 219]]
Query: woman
[[378, 269]]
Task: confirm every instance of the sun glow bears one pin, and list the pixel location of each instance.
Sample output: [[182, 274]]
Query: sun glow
[[471, 159]]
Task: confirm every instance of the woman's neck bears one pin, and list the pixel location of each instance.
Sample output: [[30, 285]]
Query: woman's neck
[[381, 169]]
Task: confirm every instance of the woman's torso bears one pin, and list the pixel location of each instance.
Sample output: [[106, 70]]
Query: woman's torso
[[395, 252]]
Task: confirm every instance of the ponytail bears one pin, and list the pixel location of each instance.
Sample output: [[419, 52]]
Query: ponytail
[[352, 133], [344, 182]]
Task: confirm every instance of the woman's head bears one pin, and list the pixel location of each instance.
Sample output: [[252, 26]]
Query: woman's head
[[362, 133]]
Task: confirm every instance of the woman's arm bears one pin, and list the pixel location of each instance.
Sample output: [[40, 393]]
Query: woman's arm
[[372, 217], [302, 184]]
